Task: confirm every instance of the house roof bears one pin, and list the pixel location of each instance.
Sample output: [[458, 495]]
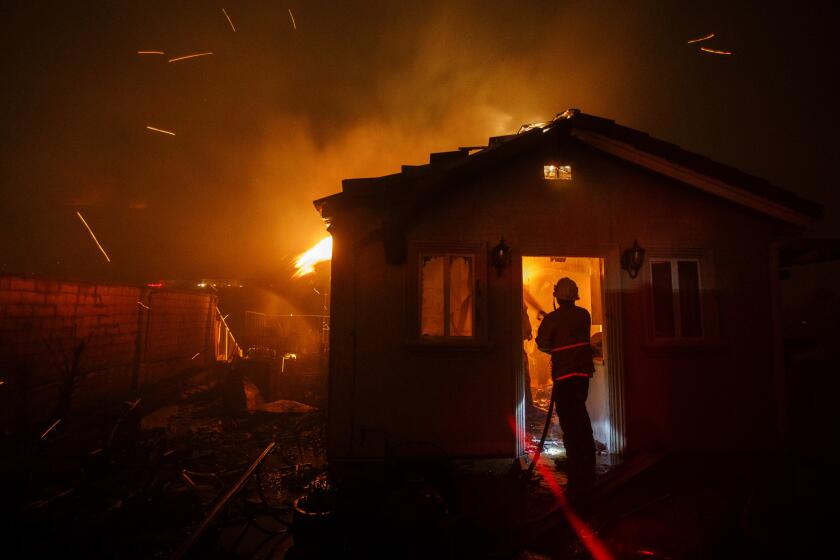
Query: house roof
[[633, 146]]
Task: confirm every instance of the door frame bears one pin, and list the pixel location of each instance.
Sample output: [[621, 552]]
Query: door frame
[[611, 299]]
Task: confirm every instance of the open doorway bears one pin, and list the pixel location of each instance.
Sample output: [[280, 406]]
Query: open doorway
[[539, 274]]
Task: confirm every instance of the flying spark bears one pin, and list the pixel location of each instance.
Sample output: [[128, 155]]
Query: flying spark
[[90, 231], [704, 38], [197, 354], [150, 52], [143, 305], [48, 430], [229, 20], [185, 57], [713, 51], [291, 15], [161, 130]]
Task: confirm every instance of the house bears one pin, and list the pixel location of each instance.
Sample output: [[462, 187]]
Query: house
[[675, 256]]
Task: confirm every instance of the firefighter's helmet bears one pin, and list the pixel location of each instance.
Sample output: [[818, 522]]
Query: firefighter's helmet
[[566, 290]]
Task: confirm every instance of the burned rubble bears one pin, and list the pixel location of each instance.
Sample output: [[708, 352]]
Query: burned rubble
[[141, 482]]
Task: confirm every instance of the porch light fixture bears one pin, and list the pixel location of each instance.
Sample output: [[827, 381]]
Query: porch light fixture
[[632, 259], [555, 172], [500, 256]]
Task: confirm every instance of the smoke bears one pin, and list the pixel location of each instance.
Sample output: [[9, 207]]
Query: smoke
[[278, 116], [463, 75]]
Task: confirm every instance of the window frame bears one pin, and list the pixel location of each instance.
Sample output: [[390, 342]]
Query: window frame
[[675, 295], [414, 295], [710, 334]]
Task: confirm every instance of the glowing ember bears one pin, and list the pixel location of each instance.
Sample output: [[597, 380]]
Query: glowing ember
[[90, 231], [291, 15], [305, 263], [48, 430], [703, 38], [161, 130], [229, 20], [150, 52], [188, 56], [713, 51]]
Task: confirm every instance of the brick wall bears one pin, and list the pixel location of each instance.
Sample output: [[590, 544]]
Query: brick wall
[[42, 322]]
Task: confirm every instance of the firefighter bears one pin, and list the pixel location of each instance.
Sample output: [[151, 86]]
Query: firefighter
[[564, 334]]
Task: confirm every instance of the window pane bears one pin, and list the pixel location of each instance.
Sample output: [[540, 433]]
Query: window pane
[[460, 296], [663, 299], [689, 282], [431, 306]]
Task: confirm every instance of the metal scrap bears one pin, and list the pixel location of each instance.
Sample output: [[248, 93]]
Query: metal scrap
[[222, 502]]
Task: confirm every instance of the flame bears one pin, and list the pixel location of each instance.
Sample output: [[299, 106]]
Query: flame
[[305, 262]]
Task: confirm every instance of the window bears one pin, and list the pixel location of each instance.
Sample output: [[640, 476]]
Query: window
[[447, 295], [554, 172], [676, 300]]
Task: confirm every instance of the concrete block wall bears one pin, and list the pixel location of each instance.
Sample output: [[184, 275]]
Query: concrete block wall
[[179, 327], [43, 321]]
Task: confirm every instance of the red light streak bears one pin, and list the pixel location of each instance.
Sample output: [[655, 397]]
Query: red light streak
[[589, 539], [585, 535], [155, 285]]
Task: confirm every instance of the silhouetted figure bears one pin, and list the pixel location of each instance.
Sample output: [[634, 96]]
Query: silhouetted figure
[[527, 334], [564, 333]]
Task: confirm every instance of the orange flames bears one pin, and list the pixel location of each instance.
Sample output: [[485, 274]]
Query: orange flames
[[305, 262]]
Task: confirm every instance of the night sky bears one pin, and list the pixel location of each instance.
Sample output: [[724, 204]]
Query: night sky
[[277, 116]]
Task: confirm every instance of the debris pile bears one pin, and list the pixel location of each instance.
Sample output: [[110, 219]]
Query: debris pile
[[168, 477]]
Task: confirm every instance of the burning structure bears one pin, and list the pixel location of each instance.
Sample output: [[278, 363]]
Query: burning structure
[[675, 256]]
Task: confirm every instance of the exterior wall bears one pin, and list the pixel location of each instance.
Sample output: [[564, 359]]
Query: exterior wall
[[43, 321], [178, 328], [396, 398]]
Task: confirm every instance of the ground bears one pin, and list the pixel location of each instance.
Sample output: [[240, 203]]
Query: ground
[[140, 483]]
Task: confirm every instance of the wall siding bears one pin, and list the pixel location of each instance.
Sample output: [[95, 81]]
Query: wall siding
[[458, 401]]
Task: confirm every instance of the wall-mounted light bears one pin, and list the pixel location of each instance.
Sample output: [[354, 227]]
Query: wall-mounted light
[[555, 172], [500, 256], [632, 259]]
